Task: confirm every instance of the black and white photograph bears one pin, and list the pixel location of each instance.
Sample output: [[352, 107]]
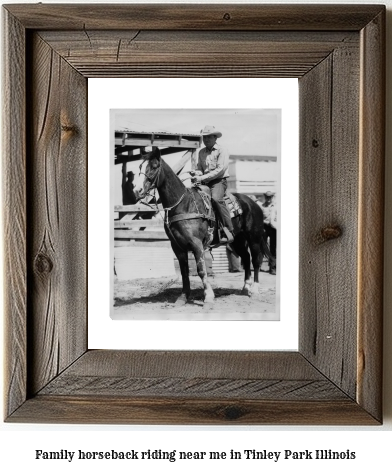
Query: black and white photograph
[[195, 195]]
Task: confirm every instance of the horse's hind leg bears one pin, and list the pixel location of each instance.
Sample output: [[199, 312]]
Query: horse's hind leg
[[201, 266]]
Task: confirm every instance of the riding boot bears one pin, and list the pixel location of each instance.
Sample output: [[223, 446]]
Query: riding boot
[[228, 229]]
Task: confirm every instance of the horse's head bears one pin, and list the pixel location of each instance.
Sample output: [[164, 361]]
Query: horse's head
[[149, 173]]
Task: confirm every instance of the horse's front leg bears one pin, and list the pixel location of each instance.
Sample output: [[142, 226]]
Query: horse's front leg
[[247, 288], [201, 266], [241, 248], [182, 257]]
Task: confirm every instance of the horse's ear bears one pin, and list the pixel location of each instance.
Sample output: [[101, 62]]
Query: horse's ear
[[156, 152], [147, 155]]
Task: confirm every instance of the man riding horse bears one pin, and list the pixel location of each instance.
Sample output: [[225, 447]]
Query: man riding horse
[[212, 169], [188, 226]]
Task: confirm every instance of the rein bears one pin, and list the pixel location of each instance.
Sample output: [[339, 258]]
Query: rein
[[176, 204], [187, 215], [153, 178]]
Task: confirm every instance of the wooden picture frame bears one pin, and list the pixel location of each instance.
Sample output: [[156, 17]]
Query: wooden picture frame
[[337, 52]]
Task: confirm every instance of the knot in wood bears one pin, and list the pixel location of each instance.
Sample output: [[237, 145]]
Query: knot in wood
[[232, 413], [43, 264], [69, 129], [227, 16], [328, 233]]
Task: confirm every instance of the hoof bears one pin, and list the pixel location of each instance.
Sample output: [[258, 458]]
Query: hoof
[[181, 301], [256, 290], [247, 291]]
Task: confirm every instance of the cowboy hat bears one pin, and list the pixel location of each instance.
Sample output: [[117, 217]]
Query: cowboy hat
[[210, 130]]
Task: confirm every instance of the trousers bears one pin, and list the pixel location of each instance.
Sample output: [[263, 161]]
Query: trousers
[[218, 188], [270, 234]]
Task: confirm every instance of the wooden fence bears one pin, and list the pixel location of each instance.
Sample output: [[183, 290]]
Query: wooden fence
[[145, 234]]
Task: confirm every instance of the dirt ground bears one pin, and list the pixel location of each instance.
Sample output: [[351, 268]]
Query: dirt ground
[[154, 298]]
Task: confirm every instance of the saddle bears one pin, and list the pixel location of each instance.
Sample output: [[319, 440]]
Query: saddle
[[208, 213], [232, 205], [230, 200]]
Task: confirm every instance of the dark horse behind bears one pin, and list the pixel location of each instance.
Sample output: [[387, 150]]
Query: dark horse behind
[[188, 228]]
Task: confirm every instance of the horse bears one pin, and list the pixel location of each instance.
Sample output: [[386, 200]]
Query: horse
[[188, 227]]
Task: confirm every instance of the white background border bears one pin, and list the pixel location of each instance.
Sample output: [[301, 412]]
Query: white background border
[[106, 94]]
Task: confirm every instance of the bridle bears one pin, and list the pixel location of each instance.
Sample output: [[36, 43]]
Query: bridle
[[153, 178]]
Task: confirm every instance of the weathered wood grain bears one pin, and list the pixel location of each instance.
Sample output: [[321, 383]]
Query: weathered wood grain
[[193, 17], [115, 44], [193, 71], [329, 170], [371, 216], [208, 364], [251, 375], [14, 209], [128, 52], [57, 211], [102, 409], [204, 388]]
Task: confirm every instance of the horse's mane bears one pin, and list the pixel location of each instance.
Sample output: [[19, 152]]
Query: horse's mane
[[168, 170]]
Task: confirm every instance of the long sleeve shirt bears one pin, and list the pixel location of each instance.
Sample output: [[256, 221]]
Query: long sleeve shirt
[[213, 163], [270, 214]]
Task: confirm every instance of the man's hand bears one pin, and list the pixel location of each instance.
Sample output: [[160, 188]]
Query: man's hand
[[197, 179]]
